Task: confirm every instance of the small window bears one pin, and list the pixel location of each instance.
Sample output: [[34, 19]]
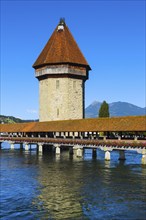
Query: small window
[[74, 84], [57, 84], [58, 112]]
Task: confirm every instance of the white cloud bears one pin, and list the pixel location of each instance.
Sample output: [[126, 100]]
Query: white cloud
[[32, 111]]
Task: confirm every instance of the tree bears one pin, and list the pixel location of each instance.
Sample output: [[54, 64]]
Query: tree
[[104, 110]]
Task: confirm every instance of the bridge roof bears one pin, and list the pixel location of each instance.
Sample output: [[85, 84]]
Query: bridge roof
[[61, 48], [130, 123]]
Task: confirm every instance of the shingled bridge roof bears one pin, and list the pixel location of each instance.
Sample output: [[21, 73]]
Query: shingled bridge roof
[[130, 123]]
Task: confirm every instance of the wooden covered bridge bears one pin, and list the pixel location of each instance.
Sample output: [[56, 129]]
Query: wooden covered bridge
[[117, 133]]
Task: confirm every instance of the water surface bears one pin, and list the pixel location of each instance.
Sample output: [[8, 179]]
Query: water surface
[[36, 186]]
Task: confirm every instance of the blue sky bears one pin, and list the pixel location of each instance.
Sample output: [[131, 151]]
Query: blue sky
[[111, 35]]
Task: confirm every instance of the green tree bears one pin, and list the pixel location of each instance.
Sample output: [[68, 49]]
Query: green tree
[[104, 110]]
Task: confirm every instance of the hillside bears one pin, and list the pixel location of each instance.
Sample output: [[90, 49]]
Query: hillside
[[11, 119]]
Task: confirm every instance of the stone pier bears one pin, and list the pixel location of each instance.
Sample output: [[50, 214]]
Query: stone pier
[[21, 146], [78, 151], [143, 160], [71, 150], [26, 147], [12, 146], [107, 155], [122, 155], [57, 148], [40, 148], [94, 155], [107, 152]]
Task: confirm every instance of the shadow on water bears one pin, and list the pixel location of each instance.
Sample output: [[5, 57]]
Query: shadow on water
[[62, 187]]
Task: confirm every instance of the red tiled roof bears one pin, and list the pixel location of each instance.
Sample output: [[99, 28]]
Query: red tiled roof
[[61, 48], [130, 123]]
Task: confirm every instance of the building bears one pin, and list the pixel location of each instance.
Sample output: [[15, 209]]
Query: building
[[62, 71]]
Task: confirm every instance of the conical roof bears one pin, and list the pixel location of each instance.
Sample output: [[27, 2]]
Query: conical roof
[[61, 48]]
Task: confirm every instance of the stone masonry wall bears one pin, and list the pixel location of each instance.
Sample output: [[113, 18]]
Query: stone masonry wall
[[60, 99]]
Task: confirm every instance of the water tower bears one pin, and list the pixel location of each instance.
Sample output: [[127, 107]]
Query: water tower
[[62, 71]]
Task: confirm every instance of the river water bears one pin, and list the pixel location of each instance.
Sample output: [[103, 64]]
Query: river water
[[53, 187]]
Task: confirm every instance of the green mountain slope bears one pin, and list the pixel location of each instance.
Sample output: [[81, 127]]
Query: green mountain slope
[[11, 119]]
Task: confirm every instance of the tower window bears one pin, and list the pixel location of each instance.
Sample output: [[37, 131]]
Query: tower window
[[57, 84], [74, 84], [58, 112]]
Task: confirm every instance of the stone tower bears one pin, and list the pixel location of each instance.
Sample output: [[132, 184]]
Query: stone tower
[[62, 71]]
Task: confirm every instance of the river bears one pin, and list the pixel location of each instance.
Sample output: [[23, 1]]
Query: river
[[53, 187]]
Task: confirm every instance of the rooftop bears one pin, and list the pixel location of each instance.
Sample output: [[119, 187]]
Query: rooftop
[[61, 48], [130, 123]]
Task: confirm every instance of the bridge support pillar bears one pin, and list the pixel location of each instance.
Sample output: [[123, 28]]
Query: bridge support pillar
[[78, 151], [143, 160], [122, 155], [21, 146], [94, 155], [107, 155], [71, 150], [40, 148], [57, 149], [26, 147], [12, 146]]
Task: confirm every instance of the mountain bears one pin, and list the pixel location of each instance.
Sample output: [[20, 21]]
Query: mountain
[[92, 110], [115, 108]]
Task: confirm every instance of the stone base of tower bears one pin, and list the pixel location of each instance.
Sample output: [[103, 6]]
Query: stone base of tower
[[61, 99]]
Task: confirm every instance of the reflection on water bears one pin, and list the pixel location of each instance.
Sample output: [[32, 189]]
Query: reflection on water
[[61, 184], [48, 187]]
